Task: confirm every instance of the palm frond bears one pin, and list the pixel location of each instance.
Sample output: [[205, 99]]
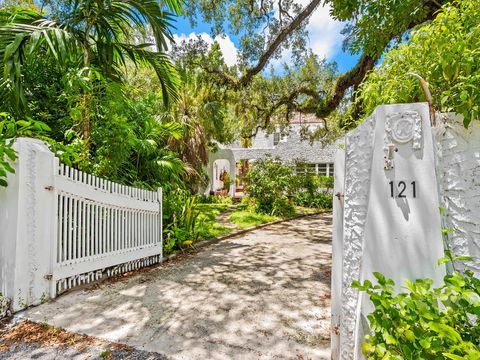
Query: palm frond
[[20, 41], [161, 63]]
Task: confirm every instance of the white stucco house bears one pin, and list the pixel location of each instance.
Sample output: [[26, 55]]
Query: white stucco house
[[286, 143]]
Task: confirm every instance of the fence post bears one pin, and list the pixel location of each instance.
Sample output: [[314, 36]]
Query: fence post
[[160, 201], [53, 222], [26, 216]]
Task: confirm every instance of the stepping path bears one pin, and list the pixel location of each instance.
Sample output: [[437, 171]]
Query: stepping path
[[224, 218], [261, 295]]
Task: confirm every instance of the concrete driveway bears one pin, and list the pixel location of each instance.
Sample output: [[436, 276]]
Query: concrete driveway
[[261, 295]]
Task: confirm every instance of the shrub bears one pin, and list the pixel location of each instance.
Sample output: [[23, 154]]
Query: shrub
[[274, 189], [425, 322], [270, 183], [212, 199], [181, 219], [9, 130], [453, 73], [317, 201], [313, 191], [225, 178]]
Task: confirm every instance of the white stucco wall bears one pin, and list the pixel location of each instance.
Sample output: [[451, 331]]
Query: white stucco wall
[[459, 170], [401, 237], [358, 159]]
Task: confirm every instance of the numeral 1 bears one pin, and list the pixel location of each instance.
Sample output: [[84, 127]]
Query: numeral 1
[[402, 186]]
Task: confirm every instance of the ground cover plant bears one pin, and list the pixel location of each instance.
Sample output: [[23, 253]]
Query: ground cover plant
[[246, 219], [424, 322], [208, 227]]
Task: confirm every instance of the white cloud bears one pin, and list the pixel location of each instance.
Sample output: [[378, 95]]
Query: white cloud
[[228, 48], [229, 51], [325, 38], [324, 33]]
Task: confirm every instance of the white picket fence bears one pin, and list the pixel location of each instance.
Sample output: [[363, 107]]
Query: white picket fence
[[102, 224], [62, 227]]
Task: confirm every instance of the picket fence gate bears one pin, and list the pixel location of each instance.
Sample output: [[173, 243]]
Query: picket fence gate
[[71, 227], [102, 224]]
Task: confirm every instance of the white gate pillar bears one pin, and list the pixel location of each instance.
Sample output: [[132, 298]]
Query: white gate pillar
[[391, 213], [28, 227]]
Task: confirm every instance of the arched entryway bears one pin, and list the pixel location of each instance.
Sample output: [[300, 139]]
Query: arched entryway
[[222, 172]]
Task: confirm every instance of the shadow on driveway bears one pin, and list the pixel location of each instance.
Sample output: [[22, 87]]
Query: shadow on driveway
[[264, 294]]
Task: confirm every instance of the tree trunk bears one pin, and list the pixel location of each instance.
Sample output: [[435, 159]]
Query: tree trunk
[[85, 103]]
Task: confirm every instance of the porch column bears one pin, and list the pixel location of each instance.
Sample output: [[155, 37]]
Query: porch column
[[233, 177]]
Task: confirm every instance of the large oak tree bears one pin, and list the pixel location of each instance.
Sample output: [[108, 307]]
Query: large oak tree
[[268, 27]]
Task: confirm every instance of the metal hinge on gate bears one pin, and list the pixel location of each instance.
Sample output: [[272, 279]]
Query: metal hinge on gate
[[49, 188], [48, 277], [339, 195]]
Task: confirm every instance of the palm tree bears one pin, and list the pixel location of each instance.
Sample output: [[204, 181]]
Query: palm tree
[[97, 36]]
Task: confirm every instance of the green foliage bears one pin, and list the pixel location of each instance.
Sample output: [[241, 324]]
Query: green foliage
[[211, 199], [313, 191], [181, 229], [9, 129], [207, 224], [372, 23], [424, 322], [319, 200], [245, 218], [445, 52], [269, 183], [96, 38], [225, 178], [274, 189]]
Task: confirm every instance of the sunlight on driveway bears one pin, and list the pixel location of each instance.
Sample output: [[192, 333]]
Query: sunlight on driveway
[[261, 295]]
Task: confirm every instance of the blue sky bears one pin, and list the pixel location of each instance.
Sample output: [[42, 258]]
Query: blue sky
[[324, 35]]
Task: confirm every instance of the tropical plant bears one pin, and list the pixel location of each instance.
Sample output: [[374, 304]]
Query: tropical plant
[[424, 322], [445, 52], [9, 129], [269, 183], [96, 37], [182, 230]]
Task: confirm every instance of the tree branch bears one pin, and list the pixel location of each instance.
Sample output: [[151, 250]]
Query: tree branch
[[277, 41], [354, 77]]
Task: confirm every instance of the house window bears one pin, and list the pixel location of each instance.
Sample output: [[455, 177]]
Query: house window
[[325, 169], [322, 169], [330, 170], [300, 169], [305, 169], [278, 137], [311, 169]]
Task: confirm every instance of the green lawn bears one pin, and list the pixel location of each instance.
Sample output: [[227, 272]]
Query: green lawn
[[245, 219], [207, 225]]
